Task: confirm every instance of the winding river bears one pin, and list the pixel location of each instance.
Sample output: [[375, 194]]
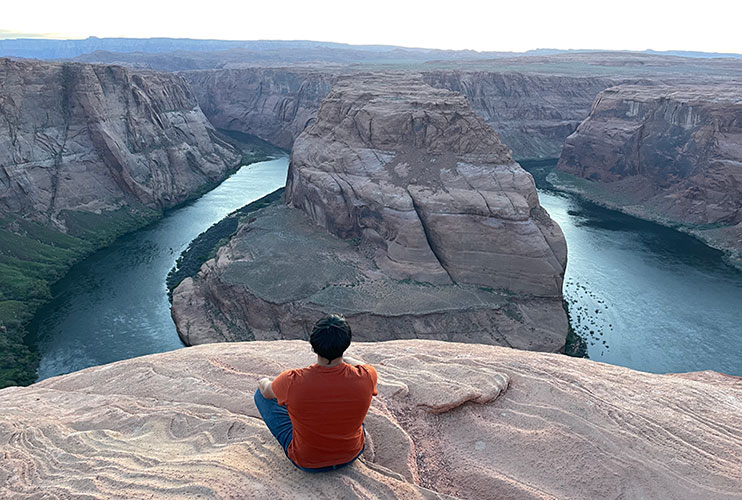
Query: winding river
[[114, 305], [641, 295]]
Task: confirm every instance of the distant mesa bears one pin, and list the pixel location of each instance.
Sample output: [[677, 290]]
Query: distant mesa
[[406, 213]]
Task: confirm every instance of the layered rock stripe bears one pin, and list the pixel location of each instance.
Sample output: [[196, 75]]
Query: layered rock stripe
[[467, 421]]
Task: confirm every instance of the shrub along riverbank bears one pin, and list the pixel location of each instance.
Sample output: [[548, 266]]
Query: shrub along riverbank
[[206, 244], [33, 257]]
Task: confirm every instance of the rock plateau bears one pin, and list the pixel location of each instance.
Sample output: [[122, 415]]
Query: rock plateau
[[451, 421], [672, 154], [434, 232]]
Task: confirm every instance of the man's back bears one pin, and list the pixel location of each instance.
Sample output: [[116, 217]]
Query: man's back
[[327, 405]]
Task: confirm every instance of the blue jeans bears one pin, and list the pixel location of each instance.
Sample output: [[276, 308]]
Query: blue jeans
[[276, 417]]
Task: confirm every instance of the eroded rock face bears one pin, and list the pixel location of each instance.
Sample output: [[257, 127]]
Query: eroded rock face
[[468, 421], [273, 104], [80, 137], [413, 172], [672, 154], [532, 114]]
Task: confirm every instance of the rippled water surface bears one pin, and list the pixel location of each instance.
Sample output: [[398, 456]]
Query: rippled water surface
[[114, 305], [645, 296]]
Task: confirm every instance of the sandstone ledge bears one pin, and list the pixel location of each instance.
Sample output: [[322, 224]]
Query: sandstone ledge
[[463, 420]]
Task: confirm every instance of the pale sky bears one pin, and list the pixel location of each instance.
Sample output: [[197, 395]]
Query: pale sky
[[512, 25]]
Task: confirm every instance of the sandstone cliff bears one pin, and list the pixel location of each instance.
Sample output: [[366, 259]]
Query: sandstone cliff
[[412, 171], [671, 154], [533, 114], [434, 232], [87, 153], [92, 138], [451, 419]]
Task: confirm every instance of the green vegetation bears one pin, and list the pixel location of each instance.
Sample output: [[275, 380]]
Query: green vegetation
[[575, 345], [33, 257], [206, 244]]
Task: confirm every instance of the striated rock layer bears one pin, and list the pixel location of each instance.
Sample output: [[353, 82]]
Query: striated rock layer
[[671, 154], [451, 421], [434, 233], [532, 114], [80, 137]]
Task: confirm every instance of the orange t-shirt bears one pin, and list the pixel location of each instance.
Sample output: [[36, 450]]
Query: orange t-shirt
[[327, 405]]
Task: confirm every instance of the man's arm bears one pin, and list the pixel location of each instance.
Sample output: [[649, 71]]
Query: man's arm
[[266, 388]]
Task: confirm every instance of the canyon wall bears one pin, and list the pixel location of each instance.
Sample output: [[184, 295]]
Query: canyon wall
[[672, 154], [273, 104], [93, 138], [87, 153], [413, 220], [450, 421], [533, 114]]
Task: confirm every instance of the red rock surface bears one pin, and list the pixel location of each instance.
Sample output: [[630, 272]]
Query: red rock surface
[[415, 173], [463, 420]]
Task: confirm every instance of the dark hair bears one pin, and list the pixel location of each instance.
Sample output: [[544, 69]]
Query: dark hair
[[330, 336]]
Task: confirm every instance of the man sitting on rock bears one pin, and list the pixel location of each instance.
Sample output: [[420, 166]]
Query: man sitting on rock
[[316, 413]]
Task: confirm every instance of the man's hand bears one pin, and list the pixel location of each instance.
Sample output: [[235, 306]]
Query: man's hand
[[266, 389], [353, 361]]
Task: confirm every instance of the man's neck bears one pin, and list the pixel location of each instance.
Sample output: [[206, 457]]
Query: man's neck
[[326, 362]]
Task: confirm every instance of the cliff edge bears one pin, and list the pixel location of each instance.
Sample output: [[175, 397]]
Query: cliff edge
[[451, 421]]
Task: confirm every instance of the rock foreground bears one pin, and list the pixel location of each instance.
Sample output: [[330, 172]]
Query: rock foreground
[[434, 233], [672, 154], [451, 421]]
